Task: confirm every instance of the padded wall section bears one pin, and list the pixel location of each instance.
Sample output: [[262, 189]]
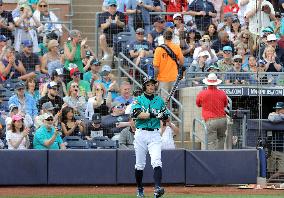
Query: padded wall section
[[221, 167], [82, 167], [173, 167], [23, 167]]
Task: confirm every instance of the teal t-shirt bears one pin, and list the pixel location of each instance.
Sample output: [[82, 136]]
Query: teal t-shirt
[[146, 105], [42, 49], [42, 134], [84, 86]]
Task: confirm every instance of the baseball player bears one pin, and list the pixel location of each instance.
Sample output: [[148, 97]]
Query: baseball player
[[148, 109]]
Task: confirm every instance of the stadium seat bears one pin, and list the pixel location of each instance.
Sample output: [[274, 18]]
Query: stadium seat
[[121, 42], [104, 143], [75, 142]]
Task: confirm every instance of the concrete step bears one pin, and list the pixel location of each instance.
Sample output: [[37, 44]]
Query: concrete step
[[86, 29], [86, 15], [188, 145], [87, 8], [77, 22], [87, 2]]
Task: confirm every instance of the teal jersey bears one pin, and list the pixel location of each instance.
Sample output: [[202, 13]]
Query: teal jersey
[[146, 105]]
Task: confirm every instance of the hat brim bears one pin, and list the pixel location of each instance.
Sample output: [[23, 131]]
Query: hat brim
[[278, 107], [205, 81]]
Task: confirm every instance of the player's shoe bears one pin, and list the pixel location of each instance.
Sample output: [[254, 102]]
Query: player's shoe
[[140, 192], [158, 192]]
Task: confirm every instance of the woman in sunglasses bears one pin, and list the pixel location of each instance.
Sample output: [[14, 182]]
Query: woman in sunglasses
[[100, 102]]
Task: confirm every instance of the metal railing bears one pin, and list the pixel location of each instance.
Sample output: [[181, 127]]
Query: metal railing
[[194, 135], [135, 68]]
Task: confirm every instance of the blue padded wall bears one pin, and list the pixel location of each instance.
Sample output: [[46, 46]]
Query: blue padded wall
[[20, 167], [173, 167], [82, 167], [221, 167]]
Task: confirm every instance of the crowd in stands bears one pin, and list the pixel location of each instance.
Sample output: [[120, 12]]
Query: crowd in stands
[[52, 88]]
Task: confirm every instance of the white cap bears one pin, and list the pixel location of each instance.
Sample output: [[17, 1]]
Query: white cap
[[203, 53], [59, 71], [177, 15], [106, 68], [52, 84], [271, 37]]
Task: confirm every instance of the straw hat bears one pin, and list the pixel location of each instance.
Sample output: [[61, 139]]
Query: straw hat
[[211, 80]]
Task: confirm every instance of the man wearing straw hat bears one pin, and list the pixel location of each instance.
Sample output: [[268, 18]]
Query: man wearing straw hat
[[213, 102]]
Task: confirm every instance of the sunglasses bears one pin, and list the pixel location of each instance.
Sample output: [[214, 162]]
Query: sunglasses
[[75, 86], [179, 19], [271, 41], [245, 37], [76, 74], [227, 52], [238, 61], [140, 33], [49, 119], [99, 89], [55, 88], [113, 5], [20, 89], [43, 6], [119, 106]]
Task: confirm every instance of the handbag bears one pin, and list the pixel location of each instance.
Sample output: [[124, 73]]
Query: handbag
[[138, 20]]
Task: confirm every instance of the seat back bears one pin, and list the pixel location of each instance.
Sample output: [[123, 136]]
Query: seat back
[[75, 142]]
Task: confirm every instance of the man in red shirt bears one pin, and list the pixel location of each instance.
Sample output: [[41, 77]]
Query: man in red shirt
[[213, 102], [175, 6], [231, 7]]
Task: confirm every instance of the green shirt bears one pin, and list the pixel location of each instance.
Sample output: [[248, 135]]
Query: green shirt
[[146, 105], [77, 59], [84, 86], [88, 76], [42, 135], [42, 49]]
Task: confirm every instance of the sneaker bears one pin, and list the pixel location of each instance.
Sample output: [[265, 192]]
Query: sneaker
[[159, 191], [140, 192]]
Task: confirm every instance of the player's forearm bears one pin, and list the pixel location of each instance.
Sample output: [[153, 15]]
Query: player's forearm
[[143, 116]]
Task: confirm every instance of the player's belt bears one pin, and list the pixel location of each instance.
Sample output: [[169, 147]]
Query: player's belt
[[149, 129]]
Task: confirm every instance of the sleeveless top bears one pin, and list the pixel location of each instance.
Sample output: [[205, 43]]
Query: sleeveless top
[[77, 61], [102, 109]]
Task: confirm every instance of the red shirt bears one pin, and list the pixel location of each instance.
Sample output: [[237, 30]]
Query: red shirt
[[213, 101], [174, 6], [234, 8]]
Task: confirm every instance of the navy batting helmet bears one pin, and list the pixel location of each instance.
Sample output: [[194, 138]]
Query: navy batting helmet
[[147, 79]]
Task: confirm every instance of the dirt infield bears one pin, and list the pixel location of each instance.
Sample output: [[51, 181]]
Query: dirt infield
[[73, 190]]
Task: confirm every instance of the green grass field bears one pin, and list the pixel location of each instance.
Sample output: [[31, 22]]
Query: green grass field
[[166, 196]]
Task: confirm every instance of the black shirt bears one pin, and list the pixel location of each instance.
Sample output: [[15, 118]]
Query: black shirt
[[57, 102], [218, 46], [109, 123], [29, 62], [7, 18], [113, 28]]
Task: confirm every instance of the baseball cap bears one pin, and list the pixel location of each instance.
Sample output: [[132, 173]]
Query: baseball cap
[[140, 30], [203, 53], [106, 68], [20, 85], [279, 105], [260, 61], [159, 19], [111, 2], [271, 37], [27, 43], [52, 36], [74, 71], [214, 66], [48, 106], [170, 24], [236, 19], [17, 117], [228, 14], [96, 62], [57, 72], [237, 57], [190, 30], [227, 48], [88, 53], [2, 37], [12, 107], [96, 118], [45, 116], [177, 15], [51, 84], [117, 105], [267, 30]]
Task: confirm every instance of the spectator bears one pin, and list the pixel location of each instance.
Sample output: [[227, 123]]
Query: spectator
[[205, 45], [166, 67], [33, 4], [111, 22], [43, 45], [223, 40], [74, 100], [100, 102], [13, 110], [228, 20], [52, 59], [26, 26], [10, 67], [84, 86], [168, 132], [52, 96], [175, 6], [3, 44], [272, 62], [232, 7], [29, 59], [144, 7], [109, 81], [32, 88], [140, 48], [7, 25], [117, 115], [213, 68], [237, 78], [187, 45], [242, 9], [70, 125], [121, 5], [203, 11], [252, 64], [255, 10], [74, 52], [157, 31], [219, 7], [259, 76], [25, 102], [44, 15], [94, 128], [125, 96], [276, 25], [179, 27], [212, 32], [126, 136], [17, 137], [47, 136], [245, 39], [235, 30], [213, 102], [278, 115], [227, 62], [242, 51], [46, 108], [93, 74]]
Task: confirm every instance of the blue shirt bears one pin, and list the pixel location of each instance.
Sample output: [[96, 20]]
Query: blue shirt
[[121, 99], [132, 5], [42, 135], [29, 106]]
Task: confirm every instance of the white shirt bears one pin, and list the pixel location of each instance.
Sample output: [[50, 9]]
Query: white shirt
[[167, 139], [260, 19], [10, 136]]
